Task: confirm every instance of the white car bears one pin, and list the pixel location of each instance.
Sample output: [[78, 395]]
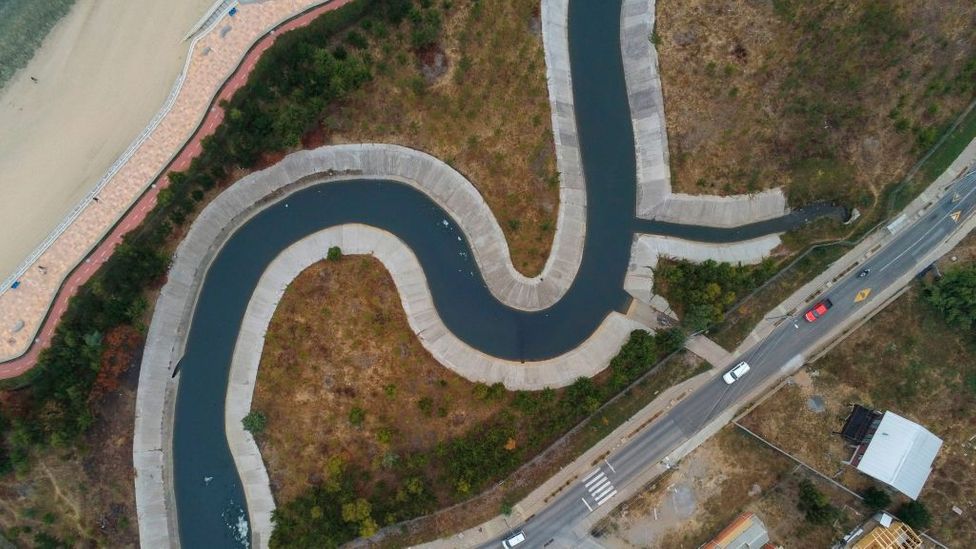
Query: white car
[[514, 540], [734, 374]]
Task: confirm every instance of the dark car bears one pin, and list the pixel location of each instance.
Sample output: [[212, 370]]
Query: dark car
[[818, 310]]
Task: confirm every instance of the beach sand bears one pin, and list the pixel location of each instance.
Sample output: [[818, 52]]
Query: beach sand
[[102, 74]]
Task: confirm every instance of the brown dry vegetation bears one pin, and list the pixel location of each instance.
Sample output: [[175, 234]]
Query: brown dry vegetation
[[339, 340], [833, 100], [905, 360], [730, 474], [82, 494], [479, 102]]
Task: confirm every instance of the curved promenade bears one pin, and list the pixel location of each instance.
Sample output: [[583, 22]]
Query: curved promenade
[[218, 64]]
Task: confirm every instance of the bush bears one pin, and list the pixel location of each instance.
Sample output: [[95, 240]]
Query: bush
[[815, 506], [426, 405], [954, 295], [335, 254], [703, 292], [876, 499], [915, 514], [356, 416], [255, 422], [356, 40]]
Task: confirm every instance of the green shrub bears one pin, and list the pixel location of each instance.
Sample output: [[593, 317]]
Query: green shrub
[[915, 514], [815, 506], [954, 295], [703, 292], [255, 422], [356, 40], [876, 499], [357, 416], [335, 254], [426, 405]]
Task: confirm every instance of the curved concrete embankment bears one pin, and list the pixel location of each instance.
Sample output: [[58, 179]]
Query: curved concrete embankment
[[407, 273], [646, 99], [242, 219], [446, 187]]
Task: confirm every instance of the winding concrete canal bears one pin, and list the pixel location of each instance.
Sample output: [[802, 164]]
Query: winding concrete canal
[[208, 493]]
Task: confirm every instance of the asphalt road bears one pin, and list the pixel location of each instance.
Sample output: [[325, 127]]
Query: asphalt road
[[556, 526]]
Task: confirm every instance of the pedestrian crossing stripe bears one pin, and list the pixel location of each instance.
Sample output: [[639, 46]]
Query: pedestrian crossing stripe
[[862, 295], [599, 487]]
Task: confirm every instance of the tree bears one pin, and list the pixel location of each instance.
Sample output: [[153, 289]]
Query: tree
[[359, 512], [815, 505], [121, 345], [255, 422], [915, 514], [876, 499], [955, 296]]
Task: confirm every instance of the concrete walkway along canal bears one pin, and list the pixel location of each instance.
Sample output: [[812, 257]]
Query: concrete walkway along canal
[[199, 315]]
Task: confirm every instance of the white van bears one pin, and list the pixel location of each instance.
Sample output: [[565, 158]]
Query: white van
[[514, 540]]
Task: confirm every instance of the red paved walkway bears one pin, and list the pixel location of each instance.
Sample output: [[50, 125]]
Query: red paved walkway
[[83, 272]]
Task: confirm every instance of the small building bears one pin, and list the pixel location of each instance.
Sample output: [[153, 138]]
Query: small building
[[882, 531], [745, 532], [892, 449], [859, 423]]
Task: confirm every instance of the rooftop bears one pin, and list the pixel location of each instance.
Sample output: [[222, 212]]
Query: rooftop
[[900, 454], [745, 532], [882, 532]]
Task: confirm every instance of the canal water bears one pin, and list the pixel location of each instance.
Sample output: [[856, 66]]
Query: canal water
[[210, 500]]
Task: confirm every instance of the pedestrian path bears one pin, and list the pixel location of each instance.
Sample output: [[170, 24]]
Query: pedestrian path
[[598, 487], [34, 299]]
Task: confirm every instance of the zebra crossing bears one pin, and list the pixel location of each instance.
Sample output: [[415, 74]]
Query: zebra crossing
[[598, 487]]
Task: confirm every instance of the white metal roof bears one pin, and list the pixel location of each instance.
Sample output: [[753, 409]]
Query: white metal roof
[[900, 454]]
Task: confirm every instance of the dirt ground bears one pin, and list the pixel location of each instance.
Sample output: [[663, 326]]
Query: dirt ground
[[833, 100], [906, 360], [82, 495], [730, 474], [478, 102], [339, 341]]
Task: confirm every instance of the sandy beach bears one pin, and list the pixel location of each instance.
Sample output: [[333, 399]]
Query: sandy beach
[[101, 75]]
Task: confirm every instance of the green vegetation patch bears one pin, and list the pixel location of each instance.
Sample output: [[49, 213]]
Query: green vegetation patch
[[292, 84], [954, 295], [701, 293], [467, 464]]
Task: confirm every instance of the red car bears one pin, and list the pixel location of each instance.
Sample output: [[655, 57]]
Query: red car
[[818, 310]]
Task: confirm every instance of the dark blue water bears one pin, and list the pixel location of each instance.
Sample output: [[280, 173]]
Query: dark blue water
[[210, 511]]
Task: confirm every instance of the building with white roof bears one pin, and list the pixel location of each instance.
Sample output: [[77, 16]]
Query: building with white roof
[[898, 452]]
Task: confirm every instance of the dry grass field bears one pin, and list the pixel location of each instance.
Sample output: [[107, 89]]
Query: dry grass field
[[832, 100], [479, 102]]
